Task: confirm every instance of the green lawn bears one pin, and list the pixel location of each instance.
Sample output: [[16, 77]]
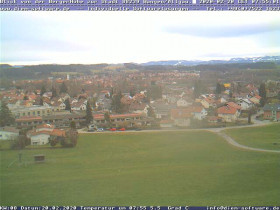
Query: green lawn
[[265, 137], [157, 168]]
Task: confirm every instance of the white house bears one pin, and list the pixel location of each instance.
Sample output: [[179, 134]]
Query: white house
[[182, 103], [39, 138], [199, 113], [42, 133], [79, 106], [8, 133], [245, 104]]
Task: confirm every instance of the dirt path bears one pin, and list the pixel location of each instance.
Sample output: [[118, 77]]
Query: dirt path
[[234, 143]]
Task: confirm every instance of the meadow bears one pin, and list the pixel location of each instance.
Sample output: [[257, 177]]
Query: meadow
[[158, 168], [265, 137]]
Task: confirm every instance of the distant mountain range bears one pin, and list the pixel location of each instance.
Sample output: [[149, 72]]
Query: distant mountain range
[[275, 59]]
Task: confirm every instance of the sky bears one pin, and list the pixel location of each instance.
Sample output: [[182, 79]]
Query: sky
[[29, 38]]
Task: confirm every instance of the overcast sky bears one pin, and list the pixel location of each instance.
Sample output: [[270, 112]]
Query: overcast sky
[[117, 37]]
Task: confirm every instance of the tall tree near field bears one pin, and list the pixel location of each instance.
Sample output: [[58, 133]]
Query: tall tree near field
[[262, 93], [151, 112], [73, 125], [63, 88], [116, 102], [89, 116], [108, 119], [249, 116], [6, 117]]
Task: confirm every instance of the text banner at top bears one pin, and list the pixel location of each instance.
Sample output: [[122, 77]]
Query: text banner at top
[[140, 5]]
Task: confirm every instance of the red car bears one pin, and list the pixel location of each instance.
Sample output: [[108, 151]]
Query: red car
[[113, 129], [122, 129]]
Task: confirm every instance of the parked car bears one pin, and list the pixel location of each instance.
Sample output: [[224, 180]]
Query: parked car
[[100, 129], [122, 129], [113, 129]]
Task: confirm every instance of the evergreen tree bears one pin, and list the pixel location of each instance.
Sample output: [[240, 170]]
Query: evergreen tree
[[249, 117], [132, 92], [6, 117], [73, 125], [43, 90], [230, 94], [116, 103], [111, 92], [54, 93], [41, 101], [63, 88], [197, 90], [67, 104], [89, 116], [154, 92], [151, 112], [108, 119], [262, 93], [218, 88]]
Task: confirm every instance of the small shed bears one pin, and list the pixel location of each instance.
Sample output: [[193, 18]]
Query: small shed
[[39, 158]]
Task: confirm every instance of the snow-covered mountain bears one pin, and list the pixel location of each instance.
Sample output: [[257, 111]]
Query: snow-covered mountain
[[198, 62]]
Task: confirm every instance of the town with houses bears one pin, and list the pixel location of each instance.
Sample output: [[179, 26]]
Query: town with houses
[[118, 101]]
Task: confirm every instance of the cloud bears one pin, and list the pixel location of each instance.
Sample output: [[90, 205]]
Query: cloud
[[224, 31], [78, 37]]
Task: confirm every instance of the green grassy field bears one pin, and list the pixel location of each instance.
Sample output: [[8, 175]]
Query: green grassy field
[[265, 137], [157, 168]]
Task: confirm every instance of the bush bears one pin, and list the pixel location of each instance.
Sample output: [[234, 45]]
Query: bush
[[53, 141], [70, 140]]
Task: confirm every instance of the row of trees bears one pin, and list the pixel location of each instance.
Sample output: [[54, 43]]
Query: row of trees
[[63, 89]]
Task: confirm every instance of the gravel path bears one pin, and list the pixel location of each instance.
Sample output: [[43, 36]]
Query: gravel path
[[234, 143]]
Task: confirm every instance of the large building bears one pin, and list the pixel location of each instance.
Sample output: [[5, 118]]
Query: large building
[[271, 112], [123, 120], [32, 111], [59, 120]]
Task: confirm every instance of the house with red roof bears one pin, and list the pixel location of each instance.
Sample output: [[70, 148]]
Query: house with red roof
[[255, 99], [208, 102], [181, 117], [228, 113], [234, 105], [198, 112], [41, 135]]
